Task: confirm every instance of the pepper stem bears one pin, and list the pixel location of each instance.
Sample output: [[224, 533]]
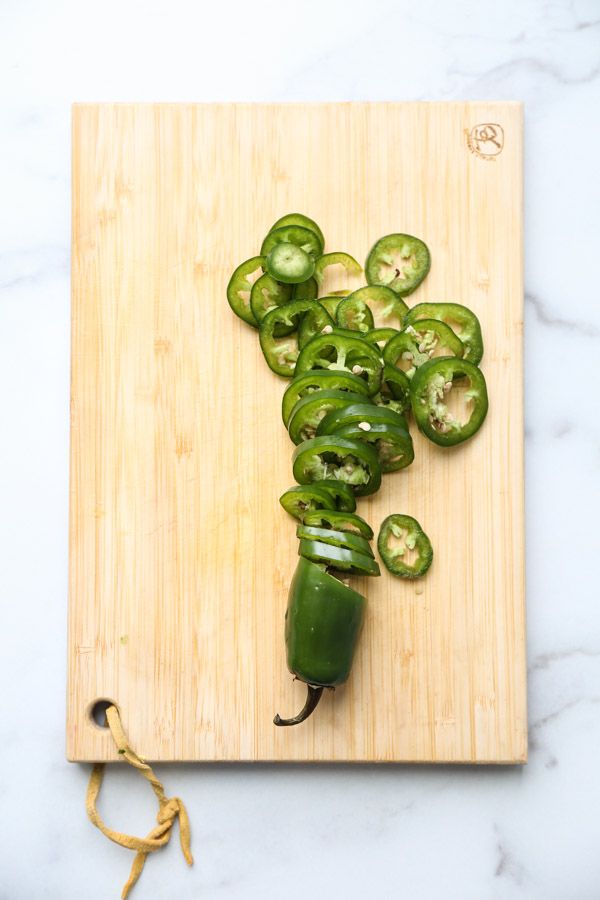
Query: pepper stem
[[312, 698]]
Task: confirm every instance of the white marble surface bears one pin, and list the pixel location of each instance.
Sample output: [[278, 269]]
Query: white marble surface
[[296, 832]]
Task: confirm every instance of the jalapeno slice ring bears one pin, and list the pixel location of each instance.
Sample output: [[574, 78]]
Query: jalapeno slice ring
[[339, 352], [417, 343], [316, 321], [429, 392], [338, 558], [398, 261], [301, 499], [463, 322], [281, 351], [239, 289], [339, 521], [332, 457], [306, 290], [301, 237], [266, 294], [309, 410], [290, 264], [304, 221], [360, 413], [393, 444], [316, 380], [400, 536], [380, 337], [348, 262], [354, 314], [341, 494], [387, 308], [338, 538]]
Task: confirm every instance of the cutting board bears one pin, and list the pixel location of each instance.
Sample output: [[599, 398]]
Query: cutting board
[[180, 555]]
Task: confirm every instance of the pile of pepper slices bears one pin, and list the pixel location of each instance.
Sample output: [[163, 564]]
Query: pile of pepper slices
[[360, 363]]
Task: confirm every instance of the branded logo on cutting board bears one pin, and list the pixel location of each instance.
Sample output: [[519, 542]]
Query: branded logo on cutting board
[[485, 140]]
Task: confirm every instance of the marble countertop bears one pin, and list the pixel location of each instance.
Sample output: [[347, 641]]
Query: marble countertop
[[269, 831]]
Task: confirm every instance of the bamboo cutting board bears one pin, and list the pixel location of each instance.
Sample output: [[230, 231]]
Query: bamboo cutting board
[[180, 555]]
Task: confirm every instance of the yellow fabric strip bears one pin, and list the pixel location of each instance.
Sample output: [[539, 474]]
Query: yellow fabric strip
[[168, 809]]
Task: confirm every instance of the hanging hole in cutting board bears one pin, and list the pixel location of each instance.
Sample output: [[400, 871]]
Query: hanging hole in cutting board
[[97, 712]]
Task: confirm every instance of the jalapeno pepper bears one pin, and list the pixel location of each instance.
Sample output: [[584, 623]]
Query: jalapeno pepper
[[290, 264], [240, 287], [316, 321], [331, 303], [417, 343], [380, 336], [400, 537], [339, 558], [281, 352], [338, 521], [351, 266], [395, 390], [393, 444], [304, 221], [341, 494], [461, 320], [319, 379], [429, 393], [341, 353], [387, 308], [306, 290], [331, 457], [309, 410], [265, 295], [323, 622], [353, 313], [398, 261], [360, 413], [338, 538], [297, 235], [301, 499]]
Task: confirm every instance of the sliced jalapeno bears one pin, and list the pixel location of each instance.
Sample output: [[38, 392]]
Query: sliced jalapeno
[[309, 410], [398, 261], [341, 353], [281, 352], [240, 287], [301, 237], [301, 499], [356, 413], [338, 558], [289, 264], [353, 313], [319, 379], [316, 321], [331, 304], [304, 221], [339, 521], [380, 336], [395, 390], [266, 294], [463, 322], [306, 290], [341, 494], [393, 444], [351, 266], [387, 308], [337, 538], [417, 343], [401, 537], [332, 457], [430, 391]]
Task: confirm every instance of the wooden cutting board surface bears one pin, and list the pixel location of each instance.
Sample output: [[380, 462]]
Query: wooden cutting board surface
[[180, 555]]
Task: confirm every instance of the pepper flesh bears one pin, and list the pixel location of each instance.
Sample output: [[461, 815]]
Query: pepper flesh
[[428, 393], [406, 534], [319, 379], [342, 352], [240, 287], [398, 261], [416, 344], [463, 322], [337, 458]]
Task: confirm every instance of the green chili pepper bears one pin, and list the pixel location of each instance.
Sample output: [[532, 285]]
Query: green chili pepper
[[393, 444], [306, 290], [338, 558], [339, 521], [316, 321], [429, 393], [339, 352], [461, 320], [309, 410], [341, 494], [398, 261], [387, 308], [304, 221], [338, 538], [281, 352], [395, 390], [301, 499], [332, 457], [331, 303], [297, 235], [290, 264], [335, 259], [323, 622], [380, 336], [240, 287], [364, 413], [266, 294], [319, 379], [417, 343], [353, 313], [399, 536]]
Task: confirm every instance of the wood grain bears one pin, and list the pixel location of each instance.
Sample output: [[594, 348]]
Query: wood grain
[[180, 554]]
